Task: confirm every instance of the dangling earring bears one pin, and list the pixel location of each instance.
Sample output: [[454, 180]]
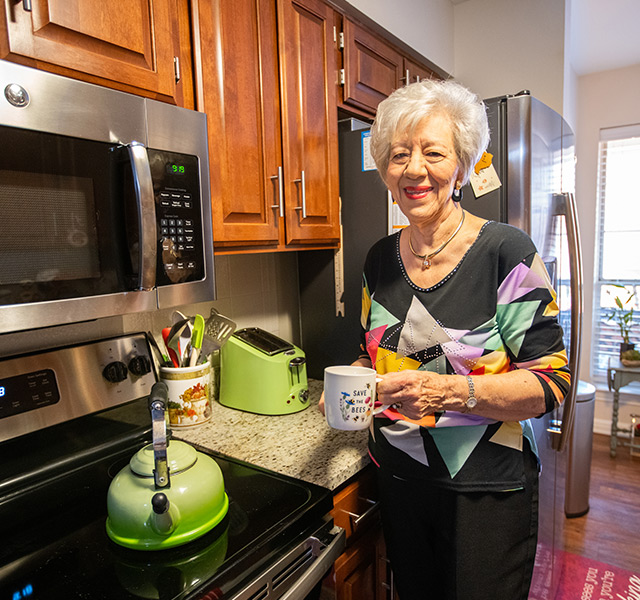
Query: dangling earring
[[457, 193]]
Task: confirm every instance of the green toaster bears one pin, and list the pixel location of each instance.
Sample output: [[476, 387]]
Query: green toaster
[[262, 373]]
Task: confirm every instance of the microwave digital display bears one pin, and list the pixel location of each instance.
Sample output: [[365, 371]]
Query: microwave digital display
[[174, 169]]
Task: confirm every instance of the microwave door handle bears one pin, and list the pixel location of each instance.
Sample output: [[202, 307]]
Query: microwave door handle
[[146, 215]]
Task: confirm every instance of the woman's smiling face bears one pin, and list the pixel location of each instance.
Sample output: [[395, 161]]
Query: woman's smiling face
[[423, 169]]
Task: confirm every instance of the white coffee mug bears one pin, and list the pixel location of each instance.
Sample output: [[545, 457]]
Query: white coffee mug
[[349, 397]]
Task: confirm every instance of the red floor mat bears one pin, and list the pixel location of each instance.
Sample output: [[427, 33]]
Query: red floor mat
[[586, 579]]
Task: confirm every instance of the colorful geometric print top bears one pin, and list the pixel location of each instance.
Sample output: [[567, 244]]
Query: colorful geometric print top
[[496, 311]]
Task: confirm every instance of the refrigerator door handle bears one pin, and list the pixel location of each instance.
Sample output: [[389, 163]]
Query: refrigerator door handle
[[565, 204]]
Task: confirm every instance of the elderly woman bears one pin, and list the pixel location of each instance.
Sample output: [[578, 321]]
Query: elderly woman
[[459, 320]]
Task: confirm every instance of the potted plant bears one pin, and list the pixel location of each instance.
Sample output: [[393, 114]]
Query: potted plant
[[622, 315]]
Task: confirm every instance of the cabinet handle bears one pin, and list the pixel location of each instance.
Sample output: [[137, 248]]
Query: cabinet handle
[[375, 506], [406, 78], [391, 586], [303, 194], [26, 5], [176, 68], [280, 205], [356, 520]]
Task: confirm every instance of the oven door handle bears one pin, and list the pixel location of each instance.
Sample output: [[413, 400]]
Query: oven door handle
[[145, 198], [324, 561]]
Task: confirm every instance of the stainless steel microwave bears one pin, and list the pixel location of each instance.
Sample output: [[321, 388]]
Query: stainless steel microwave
[[104, 202]]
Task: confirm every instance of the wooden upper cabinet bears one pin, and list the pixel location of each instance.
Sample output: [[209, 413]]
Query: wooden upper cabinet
[[413, 72], [267, 81], [309, 121], [129, 43], [238, 89], [372, 68]]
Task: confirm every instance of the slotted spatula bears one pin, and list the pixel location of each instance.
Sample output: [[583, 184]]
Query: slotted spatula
[[217, 330]]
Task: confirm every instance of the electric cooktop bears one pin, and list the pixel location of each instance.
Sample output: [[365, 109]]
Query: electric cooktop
[[53, 489]]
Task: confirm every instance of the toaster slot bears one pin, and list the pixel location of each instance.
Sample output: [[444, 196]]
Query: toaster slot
[[263, 340]]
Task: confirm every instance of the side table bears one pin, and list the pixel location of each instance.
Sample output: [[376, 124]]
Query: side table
[[618, 376]]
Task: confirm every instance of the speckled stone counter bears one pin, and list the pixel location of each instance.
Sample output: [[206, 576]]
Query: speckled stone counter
[[300, 445]]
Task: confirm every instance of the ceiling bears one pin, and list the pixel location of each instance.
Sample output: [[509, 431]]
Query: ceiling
[[603, 34]]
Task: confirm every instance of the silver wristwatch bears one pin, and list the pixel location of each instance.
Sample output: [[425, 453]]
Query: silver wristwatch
[[471, 400]]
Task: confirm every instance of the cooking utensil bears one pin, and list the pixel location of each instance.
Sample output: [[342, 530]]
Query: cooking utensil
[[169, 494], [162, 358], [196, 339], [217, 330], [177, 316], [184, 343], [173, 342], [166, 336]]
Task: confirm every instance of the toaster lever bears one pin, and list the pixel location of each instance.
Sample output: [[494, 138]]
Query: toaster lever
[[295, 364]]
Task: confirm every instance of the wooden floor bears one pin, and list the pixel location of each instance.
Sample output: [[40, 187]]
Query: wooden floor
[[610, 531]]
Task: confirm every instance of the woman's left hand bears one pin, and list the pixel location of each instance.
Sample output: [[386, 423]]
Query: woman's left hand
[[416, 394]]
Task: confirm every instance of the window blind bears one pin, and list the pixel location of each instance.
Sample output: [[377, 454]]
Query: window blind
[[617, 239]]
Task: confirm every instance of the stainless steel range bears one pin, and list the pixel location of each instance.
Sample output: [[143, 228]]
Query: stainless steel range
[[70, 419]]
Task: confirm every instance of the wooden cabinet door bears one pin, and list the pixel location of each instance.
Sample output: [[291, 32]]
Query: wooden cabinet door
[[309, 121], [238, 89], [132, 42], [415, 72], [372, 68], [355, 570]]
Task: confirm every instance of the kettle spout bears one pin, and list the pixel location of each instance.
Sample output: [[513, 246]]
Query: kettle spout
[[164, 518]]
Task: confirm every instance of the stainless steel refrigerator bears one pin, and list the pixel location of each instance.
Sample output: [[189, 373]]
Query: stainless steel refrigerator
[[532, 150], [533, 153]]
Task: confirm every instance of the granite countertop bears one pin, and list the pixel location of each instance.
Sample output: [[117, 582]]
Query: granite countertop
[[300, 445]]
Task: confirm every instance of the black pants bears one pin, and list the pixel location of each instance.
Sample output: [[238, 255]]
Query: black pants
[[446, 545]]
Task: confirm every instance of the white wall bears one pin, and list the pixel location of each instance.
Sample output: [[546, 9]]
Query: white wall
[[504, 46], [425, 25], [606, 99]]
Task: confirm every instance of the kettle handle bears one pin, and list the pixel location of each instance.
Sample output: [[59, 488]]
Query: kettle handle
[[158, 400]]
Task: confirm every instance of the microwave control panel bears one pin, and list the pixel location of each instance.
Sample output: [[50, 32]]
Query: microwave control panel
[[176, 183]]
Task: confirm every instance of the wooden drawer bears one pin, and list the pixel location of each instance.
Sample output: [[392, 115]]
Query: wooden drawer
[[356, 507]]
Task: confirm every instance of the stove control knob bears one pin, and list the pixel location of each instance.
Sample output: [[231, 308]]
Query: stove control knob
[[140, 365], [115, 372]]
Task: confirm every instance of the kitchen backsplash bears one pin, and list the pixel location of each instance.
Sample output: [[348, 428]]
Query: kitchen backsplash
[[255, 290]]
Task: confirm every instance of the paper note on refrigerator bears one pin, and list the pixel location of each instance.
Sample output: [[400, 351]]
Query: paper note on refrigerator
[[484, 178]]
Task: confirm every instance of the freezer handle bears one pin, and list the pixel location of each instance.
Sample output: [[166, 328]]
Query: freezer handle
[[566, 205]]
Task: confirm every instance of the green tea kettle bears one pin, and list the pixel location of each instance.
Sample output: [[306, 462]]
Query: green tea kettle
[[169, 494]]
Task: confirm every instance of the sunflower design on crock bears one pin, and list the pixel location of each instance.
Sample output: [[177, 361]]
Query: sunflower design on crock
[[193, 408]]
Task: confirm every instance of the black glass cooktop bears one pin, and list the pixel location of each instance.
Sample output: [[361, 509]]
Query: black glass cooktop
[[52, 522]]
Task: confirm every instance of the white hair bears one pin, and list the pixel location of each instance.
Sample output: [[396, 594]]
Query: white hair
[[405, 108]]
